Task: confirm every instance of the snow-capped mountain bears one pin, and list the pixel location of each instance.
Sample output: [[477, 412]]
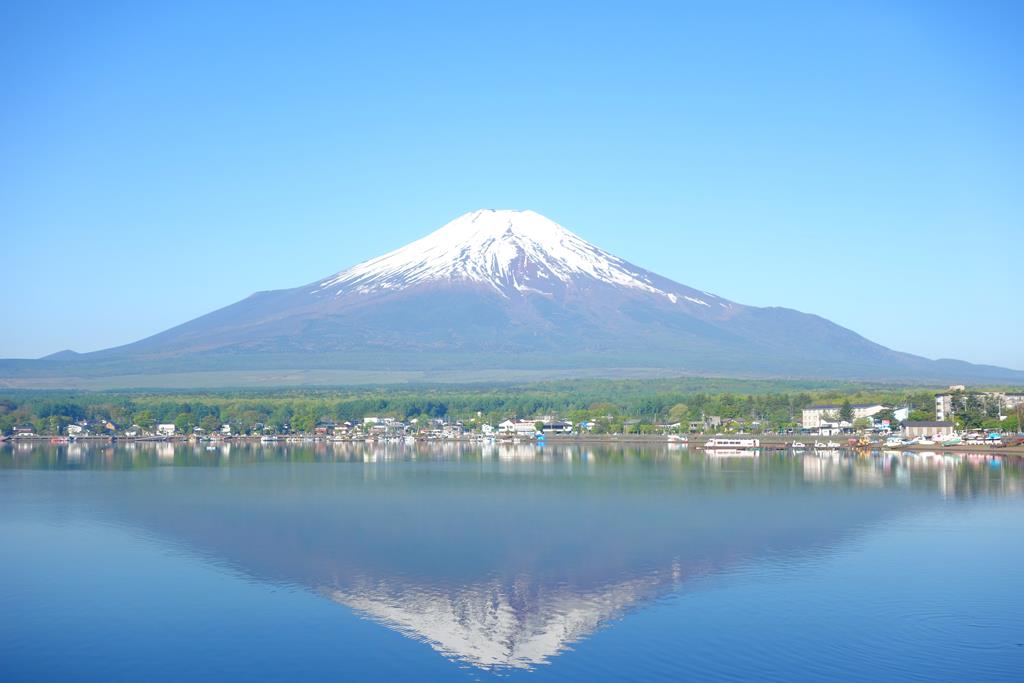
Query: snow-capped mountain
[[511, 251], [511, 293]]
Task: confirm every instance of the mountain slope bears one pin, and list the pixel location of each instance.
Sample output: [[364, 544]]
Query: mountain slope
[[510, 290]]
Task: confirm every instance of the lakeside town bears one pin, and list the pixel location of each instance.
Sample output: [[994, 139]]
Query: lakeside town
[[958, 417]]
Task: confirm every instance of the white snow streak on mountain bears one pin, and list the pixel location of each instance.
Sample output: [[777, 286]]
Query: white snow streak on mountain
[[520, 250]]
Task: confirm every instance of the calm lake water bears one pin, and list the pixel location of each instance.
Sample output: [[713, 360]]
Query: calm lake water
[[162, 563]]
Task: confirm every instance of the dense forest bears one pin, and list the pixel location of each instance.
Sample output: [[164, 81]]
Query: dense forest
[[614, 405]]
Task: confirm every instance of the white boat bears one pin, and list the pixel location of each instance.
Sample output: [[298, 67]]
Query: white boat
[[893, 442], [726, 442], [798, 446], [820, 444], [834, 444]]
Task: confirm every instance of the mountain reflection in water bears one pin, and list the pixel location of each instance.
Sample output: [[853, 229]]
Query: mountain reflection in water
[[498, 557]]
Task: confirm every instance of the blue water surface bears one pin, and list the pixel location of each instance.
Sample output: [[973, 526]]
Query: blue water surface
[[468, 562]]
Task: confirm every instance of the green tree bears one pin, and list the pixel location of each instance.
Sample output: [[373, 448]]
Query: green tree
[[279, 417], [145, 419], [303, 420], [886, 414], [183, 423], [210, 423], [680, 413], [57, 423], [846, 411], [993, 423]]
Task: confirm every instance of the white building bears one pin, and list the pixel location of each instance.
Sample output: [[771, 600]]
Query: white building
[[518, 428], [165, 429], [945, 408], [814, 416], [832, 428], [526, 428]]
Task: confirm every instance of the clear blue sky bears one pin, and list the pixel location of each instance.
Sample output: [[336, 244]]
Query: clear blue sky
[[863, 160]]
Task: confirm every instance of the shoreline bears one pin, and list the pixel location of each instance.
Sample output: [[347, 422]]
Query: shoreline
[[692, 442]]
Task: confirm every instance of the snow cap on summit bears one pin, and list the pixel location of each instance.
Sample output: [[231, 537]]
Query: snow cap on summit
[[506, 249]]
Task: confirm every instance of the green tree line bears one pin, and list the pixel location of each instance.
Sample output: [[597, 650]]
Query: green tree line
[[614, 405]]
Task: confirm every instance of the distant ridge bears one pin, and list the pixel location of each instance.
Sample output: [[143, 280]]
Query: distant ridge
[[497, 291], [66, 354]]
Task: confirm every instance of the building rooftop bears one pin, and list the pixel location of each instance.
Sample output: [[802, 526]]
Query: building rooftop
[[836, 406]]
